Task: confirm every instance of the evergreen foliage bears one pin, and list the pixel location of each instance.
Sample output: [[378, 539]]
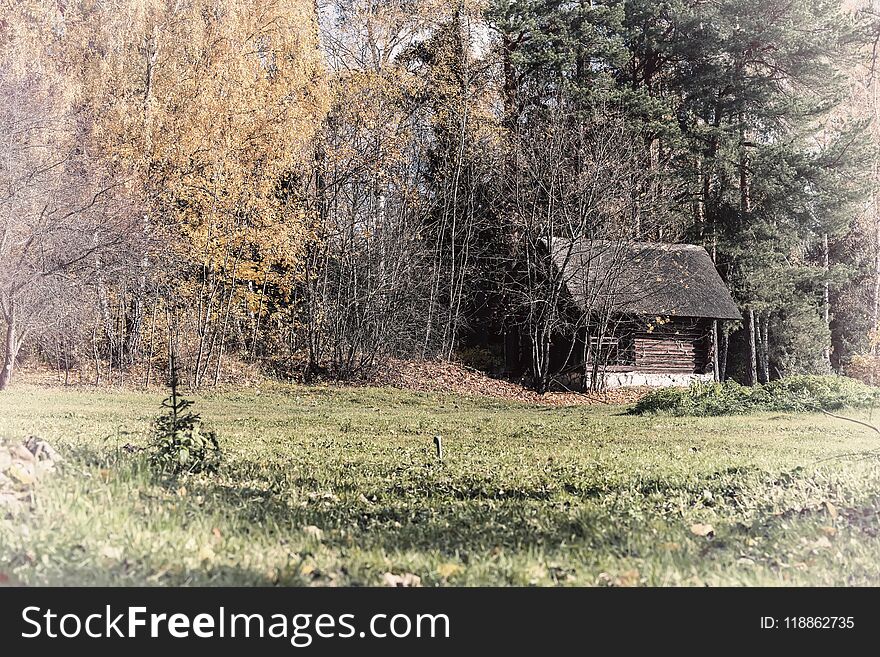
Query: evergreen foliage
[[741, 111], [314, 188], [180, 442]]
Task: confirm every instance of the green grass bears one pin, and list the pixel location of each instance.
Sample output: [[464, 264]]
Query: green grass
[[525, 495]]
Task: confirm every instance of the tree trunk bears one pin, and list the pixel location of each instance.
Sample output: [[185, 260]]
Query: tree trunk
[[509, 84], [105, 311], [716, 371], [225, 325], [875, 209], [826, 298], [541, 359], [700, 205], [66, 363], [722, 366], [764, 337], [96, 354], [875, 308], [152, 339], [874, 334], [58, 348], [253, 354], [510, 101], [753, 352], [10, 351], [133, 325], [745, 192]]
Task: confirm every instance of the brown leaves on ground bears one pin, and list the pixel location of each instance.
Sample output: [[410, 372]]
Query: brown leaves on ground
[[627, 578], [444, 376], [237, 374], [419, 376]]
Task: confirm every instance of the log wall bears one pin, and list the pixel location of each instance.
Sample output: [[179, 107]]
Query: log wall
[[682, 345]]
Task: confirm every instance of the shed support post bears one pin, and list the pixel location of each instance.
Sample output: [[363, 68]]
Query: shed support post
[[715, 354]]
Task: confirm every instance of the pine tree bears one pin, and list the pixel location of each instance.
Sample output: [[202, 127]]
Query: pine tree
[[735, 101]]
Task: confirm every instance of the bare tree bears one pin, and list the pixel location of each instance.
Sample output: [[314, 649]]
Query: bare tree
[[578, 181], [364, 270], [60, 211]]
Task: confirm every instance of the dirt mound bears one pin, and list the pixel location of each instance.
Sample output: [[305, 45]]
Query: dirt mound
[[442, 376], [423, 376]]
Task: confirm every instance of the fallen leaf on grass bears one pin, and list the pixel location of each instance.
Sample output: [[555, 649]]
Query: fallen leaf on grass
[[831, 509], [206, 553], [821, 543], [405, 580], [536, 573], [699, 529], [828, 531], [628, 578], [111, 552], [447, 570], [313, 532]]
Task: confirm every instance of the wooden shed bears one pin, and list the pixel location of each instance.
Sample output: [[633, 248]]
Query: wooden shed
[[656, 308]]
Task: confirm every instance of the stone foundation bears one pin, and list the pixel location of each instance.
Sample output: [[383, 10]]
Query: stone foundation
[[656, 380]]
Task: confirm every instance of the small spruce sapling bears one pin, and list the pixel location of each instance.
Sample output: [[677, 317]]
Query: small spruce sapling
[[181, 444]]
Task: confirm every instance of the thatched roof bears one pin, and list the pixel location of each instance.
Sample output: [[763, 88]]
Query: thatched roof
[[643, 278]]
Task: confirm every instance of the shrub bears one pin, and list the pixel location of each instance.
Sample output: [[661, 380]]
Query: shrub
[[180, 443], [825, 392], [796, 393], [865, 368]]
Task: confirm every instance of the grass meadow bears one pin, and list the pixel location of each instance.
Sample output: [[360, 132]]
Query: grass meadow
[[342, 486]]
